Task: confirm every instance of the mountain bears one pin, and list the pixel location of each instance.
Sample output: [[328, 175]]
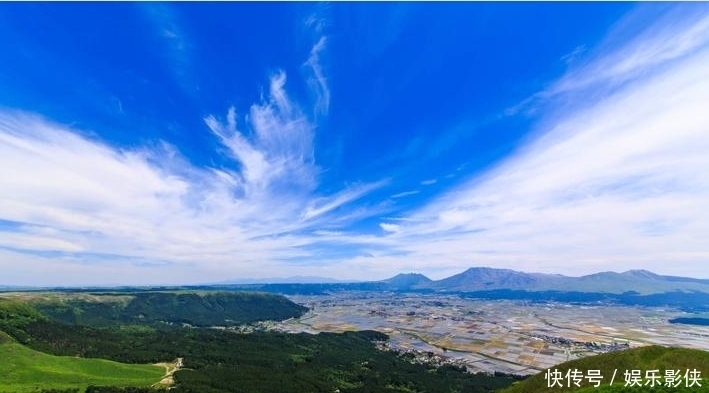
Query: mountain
[[667, 278], [408, 281], [486, 278], [640, 281], [632, 287], [641, 274]]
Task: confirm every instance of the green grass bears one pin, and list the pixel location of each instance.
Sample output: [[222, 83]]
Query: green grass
[[619, 388], [25, 370]]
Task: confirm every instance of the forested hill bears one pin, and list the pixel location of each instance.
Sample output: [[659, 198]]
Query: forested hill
[[164, 308], [222, 361]]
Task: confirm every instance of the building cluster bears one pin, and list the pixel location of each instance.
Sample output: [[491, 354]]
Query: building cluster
[[258, 326], [422, 357], [588, 345]]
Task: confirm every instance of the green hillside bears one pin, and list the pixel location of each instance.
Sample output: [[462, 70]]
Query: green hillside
[[206, 308], [220, 361], [642, 359], [619, 388], [25, 370]]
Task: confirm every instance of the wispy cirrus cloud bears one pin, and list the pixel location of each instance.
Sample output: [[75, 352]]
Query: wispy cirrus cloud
[[281, 152], [646, 52], [326, 205], [318, 82], [677, 32], [318, 24], [146, 215], [389, 227], [177, 48], [405, 193], [614, 179]]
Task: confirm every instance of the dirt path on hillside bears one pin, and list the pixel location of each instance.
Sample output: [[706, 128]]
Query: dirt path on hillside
[[170, 368]]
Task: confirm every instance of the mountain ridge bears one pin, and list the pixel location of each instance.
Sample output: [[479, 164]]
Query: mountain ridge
[[482, 278], [408, 280], [473, 279]]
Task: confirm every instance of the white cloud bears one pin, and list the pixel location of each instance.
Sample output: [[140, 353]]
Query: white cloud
[[318, 83], [325, 205], [679, 33], [612, 181], [389, 227], [281, 154], [109, 209], [405, 193], [429, 182], [165, 20], [615, 179]]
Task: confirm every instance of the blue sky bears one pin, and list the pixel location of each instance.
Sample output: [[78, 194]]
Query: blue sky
[[172, 143]]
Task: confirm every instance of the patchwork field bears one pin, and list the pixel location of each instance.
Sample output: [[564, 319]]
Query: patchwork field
[[497, 335]]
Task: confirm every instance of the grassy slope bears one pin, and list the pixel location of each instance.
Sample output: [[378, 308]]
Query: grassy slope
[[619, 388], [645, 358], [25, 370]]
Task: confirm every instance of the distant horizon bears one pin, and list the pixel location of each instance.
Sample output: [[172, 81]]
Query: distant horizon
[[164, 143], [328, 280], [341, 280]]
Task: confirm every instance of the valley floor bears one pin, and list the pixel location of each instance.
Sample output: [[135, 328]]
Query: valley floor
[[507, 336]]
